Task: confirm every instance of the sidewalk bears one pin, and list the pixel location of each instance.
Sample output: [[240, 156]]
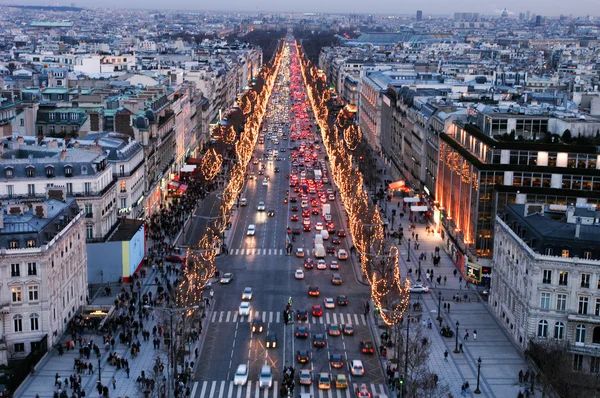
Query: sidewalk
[[42, 382]]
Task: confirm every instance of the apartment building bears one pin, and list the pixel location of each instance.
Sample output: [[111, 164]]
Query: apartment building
[[43, 262]]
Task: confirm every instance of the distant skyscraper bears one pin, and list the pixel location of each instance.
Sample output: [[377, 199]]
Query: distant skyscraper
[[419, 15], [539, 20]]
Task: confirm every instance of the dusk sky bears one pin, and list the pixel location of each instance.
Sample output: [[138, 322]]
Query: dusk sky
[[436, 7]]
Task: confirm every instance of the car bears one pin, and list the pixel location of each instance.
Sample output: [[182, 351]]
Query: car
[[341, 233], [317, 311], [271, 213], [265, 183], [330, 249], [331, 198], [294, 199], [255, 161], [306, 228], [301, 332], [271, 339], [336, 279], [419, 288], [299, 252], [305, 213], [295, 231], [306, 221], [175, 258], [261, 172], [305, 377], [324, 381], [334, 264], [313, 291], [257, 325], [302, 356], [362, 391], [276, 169], [294, 217], [265, 378], [294, 208], [341, 381], [302, 314], [366, 347], [321, 264], [299, 274], [342, 255], [357, 368], [309, 263], [334, 330], [348, 330], [336, 241], [329, 303], [241, 375], [319, 226], [342, 300], [336, 361], [261, 206], [247, 293], [251, 230], [244, 309], [226, 279]]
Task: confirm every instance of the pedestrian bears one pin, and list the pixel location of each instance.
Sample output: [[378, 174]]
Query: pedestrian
[[455, 271], [460, 348], [474, 334], [521, 376], [444, 280], [114, 383], [127, 371], [448, 307], [466, 334], [446, 355]]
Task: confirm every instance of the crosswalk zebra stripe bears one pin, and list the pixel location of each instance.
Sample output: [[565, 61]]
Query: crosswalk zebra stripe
[[230, 392], [235, 315], [228, 315], [264, 315], [270, 316], [212, 388], [222, 389], [249, 389], [277, 314], [214, 317], [328, 317], [226, 389]]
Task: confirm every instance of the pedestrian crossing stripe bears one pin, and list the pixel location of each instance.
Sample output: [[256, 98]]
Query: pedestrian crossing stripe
[[226, 389], [328, 318], [267, 252]]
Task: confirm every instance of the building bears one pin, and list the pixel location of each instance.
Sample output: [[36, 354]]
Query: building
[[44, 266], [419, 15], [546, 278]]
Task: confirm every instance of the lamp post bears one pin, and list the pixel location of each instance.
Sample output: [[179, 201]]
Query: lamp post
[[439, 302], [477, 390], [408, 252], [456, 347]]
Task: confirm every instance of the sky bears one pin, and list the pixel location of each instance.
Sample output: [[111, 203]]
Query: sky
[[434, 7]]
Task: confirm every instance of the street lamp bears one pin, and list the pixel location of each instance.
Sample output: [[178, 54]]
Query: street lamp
[[477, 390], [439, 302], [456, 347], [408, 252]]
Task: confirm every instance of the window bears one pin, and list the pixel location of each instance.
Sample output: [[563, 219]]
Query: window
[[31, 189], [69, 188], [583, 305], [547, 276], [19, 347], [123, 203], [89, 232], [580, 333], [88, 209], [49, 172], [549, 251], [561, 302], [563, 278], [33, 292], [30, 172], [594, 365], [87, 188], [22, 122], [577, 362], [559, 330], [585, 280], [123, 186], [52, 116], [18, 323], [52, 129], [17, 294], [13, 244], [30, 243], [542, 329], [565, 253], [122, 170], [15, 270], [69, 171], [10, 190], [34, 322], [587, 255], [9, 172], [545, 301], [596, 335]]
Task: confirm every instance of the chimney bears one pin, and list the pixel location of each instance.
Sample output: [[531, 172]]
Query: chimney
[[76, 144], [20, 140], [577, 227], [63, 155], [53, 144]]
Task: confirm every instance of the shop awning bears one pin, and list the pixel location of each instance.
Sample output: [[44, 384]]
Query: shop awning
[[183, 187], [188, 168], [194, 161], [173, 185], [397, 185]]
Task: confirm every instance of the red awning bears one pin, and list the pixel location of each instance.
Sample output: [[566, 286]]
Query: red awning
[[183, 187], [397, 185], [173, 185], [194, 161]]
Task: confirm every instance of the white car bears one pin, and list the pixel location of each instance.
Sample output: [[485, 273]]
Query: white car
[[226, 279], [356, 367], [342, 254], [251, 230], [299, 274], [419, 288], [265, 379], [244, 309], [305, 377], [321, 264], [265, 183], [334, 264], [329, 303], [299, 252], [319, 226], [261, 206], [241, 375], [247, 293]]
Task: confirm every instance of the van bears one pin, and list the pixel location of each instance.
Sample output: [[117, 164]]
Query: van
[[319, 251], [324, 234], [243, 202], [318, 239]]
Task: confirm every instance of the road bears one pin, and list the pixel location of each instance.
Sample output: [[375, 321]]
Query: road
[[261, 262]]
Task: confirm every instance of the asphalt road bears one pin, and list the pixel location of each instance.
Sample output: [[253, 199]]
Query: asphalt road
[[261, 262]]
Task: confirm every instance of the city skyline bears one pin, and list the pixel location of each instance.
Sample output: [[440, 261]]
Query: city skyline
[[435, 7]]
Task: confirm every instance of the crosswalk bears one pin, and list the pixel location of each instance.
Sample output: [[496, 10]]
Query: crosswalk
[[329, 317], [226, 389]]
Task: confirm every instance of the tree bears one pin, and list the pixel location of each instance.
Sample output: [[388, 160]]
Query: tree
[[567, 136]]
